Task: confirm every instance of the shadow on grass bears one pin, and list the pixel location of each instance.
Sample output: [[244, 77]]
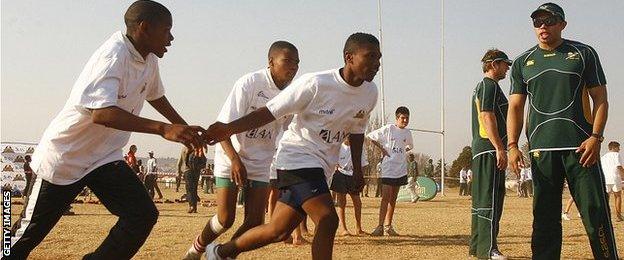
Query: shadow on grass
[[434, 240]]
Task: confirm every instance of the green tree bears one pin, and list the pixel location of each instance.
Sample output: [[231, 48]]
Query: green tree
[[464, 159]]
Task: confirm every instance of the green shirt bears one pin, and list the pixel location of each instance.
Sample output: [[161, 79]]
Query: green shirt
[[489, 97], [557, 84]]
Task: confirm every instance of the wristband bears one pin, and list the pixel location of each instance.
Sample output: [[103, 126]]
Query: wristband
[[512, 144], [598, 136]]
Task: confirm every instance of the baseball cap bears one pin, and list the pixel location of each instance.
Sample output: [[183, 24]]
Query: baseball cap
[[152, 152], [550, 8], [498, 56]]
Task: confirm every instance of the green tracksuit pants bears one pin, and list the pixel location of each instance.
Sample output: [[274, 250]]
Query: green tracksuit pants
[[488, 194], [587, 187]]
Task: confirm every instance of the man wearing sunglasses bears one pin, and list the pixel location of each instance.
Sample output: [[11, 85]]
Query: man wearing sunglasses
[[564, 133]]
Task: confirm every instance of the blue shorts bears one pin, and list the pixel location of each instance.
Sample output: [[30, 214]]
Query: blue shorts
[[296, 194]]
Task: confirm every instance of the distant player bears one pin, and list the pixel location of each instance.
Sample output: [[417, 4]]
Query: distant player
[[243, 161], [394, 141], [343, 184], [612, 166], [328, 107]]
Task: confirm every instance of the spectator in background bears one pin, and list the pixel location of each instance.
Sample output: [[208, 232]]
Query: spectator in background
[[29, 174], [412, 177], [131, 159], [612, 164], [469, 186], [141, 172], [194, 162], [526, 182], [463, 181], [151, 177]]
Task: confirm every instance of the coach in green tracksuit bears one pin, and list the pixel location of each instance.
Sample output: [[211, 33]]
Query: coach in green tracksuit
[[564, 133], [489, 157]]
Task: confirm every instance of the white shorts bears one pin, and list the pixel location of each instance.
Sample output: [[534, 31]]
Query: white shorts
[[611, 188]]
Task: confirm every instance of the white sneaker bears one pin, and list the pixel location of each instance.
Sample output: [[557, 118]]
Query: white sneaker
[[565, 216], [211, 252], [497, 255], [192, 254]]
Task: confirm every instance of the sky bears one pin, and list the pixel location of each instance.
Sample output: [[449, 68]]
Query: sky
[[45, 44]]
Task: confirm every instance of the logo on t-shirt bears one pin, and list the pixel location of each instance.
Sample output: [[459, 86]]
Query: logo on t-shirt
[[360, 114], [572, 56], [261, 94], [333, 137], [327, 111], [397, 149], [259, 134], [530, 63]]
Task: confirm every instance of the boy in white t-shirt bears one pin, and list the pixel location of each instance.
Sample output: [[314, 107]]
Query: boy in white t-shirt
[[612, 163], [328, 107], [243, 161], [394, 141], [83, 144], [343, 184]]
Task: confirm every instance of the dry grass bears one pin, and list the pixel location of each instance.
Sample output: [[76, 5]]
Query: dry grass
[[437, 229]]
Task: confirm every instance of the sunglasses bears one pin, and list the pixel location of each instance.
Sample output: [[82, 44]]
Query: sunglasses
[[548, 21]]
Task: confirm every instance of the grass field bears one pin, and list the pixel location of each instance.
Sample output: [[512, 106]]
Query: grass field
[[437, 229]]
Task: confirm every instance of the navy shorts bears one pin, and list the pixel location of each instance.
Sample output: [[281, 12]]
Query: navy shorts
[[296, 194], [396, 182]]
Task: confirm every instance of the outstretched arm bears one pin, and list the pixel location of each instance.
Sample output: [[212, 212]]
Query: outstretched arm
[[117, 118], [218, 131]]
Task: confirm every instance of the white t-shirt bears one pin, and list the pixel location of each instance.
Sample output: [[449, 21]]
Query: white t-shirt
[[151, 166], [463, 176], [72, 145], [255, 147], [326, 109], [610, 161], [272, 169], [395, 141], [525, 174], [345, 163]]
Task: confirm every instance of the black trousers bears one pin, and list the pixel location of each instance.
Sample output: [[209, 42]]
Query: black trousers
[[119, 190], [191, 178], [150, 184]]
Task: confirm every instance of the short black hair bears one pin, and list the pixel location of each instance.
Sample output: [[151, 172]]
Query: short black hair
[[145, 10], [355, 40], [401, 111], [279, 45]]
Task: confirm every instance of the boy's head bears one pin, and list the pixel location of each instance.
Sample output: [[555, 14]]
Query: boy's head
[[614, 146], [361, 54], [402, 117], [149, 25], [283, 62], [133, 148]]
